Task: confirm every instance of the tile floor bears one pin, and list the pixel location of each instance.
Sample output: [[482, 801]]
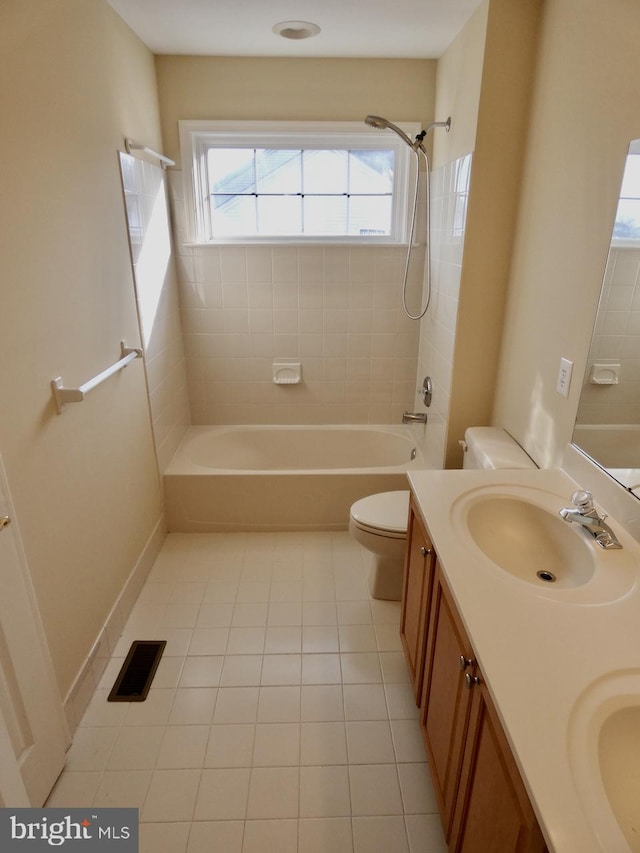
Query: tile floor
[[280, 718]]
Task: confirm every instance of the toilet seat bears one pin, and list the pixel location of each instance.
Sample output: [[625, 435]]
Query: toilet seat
[[384, 514]]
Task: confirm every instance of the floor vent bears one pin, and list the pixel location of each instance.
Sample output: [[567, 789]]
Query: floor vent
[[135, 677]]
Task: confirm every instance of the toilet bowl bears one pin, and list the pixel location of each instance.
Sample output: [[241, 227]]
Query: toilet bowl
[[379, 523]]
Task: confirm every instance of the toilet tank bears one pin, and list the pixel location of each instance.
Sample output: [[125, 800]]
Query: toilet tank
[[492, 447]]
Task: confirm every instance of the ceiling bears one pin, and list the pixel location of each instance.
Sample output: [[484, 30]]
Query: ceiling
[[419, 29]]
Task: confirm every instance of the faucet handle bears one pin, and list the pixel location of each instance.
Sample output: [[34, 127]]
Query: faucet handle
[[582, 500]]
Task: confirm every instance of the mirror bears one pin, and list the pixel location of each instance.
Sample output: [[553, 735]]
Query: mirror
[[608, 420]]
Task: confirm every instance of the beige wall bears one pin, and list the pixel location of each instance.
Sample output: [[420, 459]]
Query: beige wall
[[502, 117], [584, 114], [458, 81], [75, 81], [205, 87]]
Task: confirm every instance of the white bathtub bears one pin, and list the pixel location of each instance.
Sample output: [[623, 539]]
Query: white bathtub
[[616, 447], [282, 477]]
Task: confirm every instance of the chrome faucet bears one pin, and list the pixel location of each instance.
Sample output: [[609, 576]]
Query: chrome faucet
[[583, 512]]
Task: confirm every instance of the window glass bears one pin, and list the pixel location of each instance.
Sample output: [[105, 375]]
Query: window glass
[[304, 181]]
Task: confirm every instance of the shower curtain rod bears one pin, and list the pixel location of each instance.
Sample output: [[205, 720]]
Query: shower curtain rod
[[131, 146]]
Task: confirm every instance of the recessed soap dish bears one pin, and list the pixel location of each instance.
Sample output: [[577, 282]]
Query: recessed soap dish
[[604, 374], [289, 373]]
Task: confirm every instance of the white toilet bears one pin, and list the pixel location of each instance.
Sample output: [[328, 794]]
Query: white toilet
[[379, 522]]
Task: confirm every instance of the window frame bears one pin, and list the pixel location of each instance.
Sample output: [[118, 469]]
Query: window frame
[[197, 136]]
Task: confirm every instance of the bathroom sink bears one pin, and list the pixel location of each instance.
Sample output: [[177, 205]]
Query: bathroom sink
[[529, 542], [517, 532], [619, 757], [604, 747]]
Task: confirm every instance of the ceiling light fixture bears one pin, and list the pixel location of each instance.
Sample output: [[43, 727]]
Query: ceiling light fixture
[[296, 29]]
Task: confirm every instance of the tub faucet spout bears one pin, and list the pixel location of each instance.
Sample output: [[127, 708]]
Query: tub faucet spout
[[583, 512], [414, 418]]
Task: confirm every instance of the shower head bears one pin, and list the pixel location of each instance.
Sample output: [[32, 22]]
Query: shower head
[[383, 124], [380, 123]]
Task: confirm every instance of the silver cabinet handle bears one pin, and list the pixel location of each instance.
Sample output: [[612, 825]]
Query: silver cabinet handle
[[465, 662], [5, 521], [425, 551], [471, 681]]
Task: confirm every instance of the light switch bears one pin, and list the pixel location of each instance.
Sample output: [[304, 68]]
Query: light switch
[[564, 377]]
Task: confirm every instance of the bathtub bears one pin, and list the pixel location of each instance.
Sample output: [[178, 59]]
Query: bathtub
[[267, 478], [615, 447]]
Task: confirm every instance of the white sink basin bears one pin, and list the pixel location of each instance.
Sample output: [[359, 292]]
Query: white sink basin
[[516, 531], [604, 751], [529, 542]]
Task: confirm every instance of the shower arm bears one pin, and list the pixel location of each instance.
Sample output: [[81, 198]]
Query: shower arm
[[380, 123]]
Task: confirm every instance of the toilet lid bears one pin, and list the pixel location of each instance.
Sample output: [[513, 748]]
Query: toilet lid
[[384, 511]]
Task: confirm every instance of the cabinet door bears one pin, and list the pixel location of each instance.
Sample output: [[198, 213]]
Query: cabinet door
[[416, 598], [446, 701], [492, 813]]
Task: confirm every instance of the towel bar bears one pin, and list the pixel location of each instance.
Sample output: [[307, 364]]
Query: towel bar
[[64, 395]]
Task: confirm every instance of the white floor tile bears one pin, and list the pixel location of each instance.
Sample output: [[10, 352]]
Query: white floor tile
[[136, 748], [183, 747], [270, 836], [354, 613], [171, 796], [202, 671], [283, 640], [321, 669], [91, 748], [360, 668], [273, 793], [320, 638], [284, 613], [375, 789], [379, 835], [370, 742], [164, 837], [416, 787], [357, 638], [407, 741], [74, 790], [222, 794], [324, 792], [323, 743], [364, 702], [401, 702], [322, 703], [154, 711], [230, 746], [236, 705], [425, 833], [325, 835], [221, 835], [246, 641], [279, 704], [281, 670], [122, 789], [241, 671], [208, 641], [193, 706], [277, 745]]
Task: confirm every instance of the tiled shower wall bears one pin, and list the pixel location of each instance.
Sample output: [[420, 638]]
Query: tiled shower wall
[[449, 193], [337, 310], [334, 309], [616, 340]]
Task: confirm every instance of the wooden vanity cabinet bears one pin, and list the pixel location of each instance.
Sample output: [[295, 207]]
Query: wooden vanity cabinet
[[416, 597], [446, 702], [492, 812], [483, 803]]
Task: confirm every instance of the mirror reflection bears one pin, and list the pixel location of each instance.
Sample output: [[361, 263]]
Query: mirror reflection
[[608, 419]]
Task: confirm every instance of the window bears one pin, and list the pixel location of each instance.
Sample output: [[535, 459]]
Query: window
[[627, 223], [303, 182]]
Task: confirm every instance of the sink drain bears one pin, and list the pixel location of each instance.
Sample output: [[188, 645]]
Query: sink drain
[[549, 577]]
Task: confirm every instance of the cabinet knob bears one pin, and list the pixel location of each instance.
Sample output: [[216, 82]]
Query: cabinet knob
[[425, 551], [465, 662], [471, 681]]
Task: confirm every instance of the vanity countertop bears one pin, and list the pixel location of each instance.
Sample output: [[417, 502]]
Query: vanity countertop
[[544, 658]]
